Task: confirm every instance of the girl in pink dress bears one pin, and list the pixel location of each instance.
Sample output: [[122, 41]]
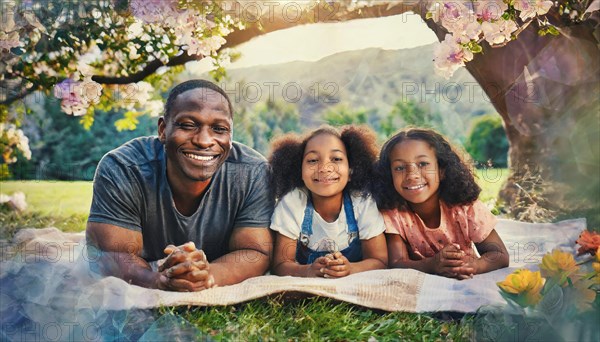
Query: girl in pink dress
[[428, 198]]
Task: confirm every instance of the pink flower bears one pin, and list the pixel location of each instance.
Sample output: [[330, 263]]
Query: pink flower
[[449, 55], [451, 14], [152, 11], [9, 40], [77, 96], [488, 10]]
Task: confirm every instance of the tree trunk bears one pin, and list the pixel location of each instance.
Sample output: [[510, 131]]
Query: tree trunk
[[547, 91]]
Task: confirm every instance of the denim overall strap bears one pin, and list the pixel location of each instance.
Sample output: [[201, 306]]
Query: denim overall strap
[[354, 250], [304, 255], [349, 210]]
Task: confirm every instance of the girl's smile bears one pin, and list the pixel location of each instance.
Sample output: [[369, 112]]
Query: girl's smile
[[325, 169], [415, 172]]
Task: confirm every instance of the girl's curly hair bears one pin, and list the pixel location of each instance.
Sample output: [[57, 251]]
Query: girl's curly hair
[[287, 153], [456, 187]]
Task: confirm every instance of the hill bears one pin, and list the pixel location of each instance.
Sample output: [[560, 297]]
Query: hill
[[369, 79]]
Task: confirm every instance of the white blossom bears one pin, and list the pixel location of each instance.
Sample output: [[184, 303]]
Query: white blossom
[[498, 32], [154, 108], [135, 30], [11, 139], [133, 52], [532, 8]]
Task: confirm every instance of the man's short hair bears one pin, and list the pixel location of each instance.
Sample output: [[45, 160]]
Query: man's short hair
[[193, 84]]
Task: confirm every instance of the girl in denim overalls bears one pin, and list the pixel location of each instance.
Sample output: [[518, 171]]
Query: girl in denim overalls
[[327, 225]]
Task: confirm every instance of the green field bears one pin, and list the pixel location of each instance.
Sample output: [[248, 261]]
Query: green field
[[490, 181], [55, 198]]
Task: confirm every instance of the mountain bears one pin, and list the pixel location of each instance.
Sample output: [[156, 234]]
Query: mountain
[[369, 79]]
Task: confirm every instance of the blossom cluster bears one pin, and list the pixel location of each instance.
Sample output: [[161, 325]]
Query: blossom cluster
[[12, 139], [189, 28], [560, 279], [469, 23], [15, 202], [9, 31], [76, 97]]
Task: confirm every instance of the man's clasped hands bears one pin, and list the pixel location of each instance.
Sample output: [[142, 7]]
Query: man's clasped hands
[[185, 269]]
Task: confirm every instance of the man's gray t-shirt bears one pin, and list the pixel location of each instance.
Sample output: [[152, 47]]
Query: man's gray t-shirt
[[131, 191]]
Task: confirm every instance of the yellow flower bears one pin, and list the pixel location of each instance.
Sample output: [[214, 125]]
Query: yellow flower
[[524, 286], [559, 265]]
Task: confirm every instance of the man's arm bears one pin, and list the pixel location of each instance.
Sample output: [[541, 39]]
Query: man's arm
[[119, 256], [249, 256]]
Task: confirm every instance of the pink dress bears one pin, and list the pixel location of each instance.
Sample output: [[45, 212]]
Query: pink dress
[[461, 224]]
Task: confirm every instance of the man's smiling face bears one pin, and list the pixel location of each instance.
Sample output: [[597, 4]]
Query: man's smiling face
[[197, 135]]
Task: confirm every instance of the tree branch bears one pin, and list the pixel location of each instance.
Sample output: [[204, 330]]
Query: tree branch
[[323, 13]]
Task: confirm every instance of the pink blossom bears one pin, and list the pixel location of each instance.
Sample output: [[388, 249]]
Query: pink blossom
[[488, 10], [76, 97], [205, 47], [152, 11], [451, 14], [9, 40], [449, 55], [531, 8]]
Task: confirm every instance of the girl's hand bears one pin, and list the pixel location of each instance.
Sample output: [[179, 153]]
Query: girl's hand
[[447, 261], [317, 267], [338, 266], [468, 268]]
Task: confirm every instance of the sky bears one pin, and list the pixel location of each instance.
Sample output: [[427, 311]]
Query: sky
[[315, 41]]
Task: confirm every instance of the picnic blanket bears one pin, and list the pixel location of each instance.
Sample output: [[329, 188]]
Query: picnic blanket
[[50, 270]]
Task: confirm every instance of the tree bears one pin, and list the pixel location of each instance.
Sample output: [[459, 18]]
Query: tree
[[410, 113], [487, 142], [545, 87], [342, 115], [258, 126], [97, 53], [63, 149]]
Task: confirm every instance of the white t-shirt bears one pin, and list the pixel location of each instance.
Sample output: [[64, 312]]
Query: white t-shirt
[[327, 236]]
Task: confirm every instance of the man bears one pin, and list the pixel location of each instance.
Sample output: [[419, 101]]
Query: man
[[190, 186]]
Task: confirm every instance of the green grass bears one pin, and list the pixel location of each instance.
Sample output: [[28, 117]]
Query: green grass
[[64, 205], [55, 198], [490, 181], [316, 319]]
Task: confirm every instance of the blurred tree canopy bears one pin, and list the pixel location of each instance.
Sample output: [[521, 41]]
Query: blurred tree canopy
[[487, 142]]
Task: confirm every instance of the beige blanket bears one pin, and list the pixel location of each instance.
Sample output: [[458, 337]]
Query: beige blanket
[[54, 259]]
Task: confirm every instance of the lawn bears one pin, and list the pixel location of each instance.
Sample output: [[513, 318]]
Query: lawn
[[66, 204], [55, 198]]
